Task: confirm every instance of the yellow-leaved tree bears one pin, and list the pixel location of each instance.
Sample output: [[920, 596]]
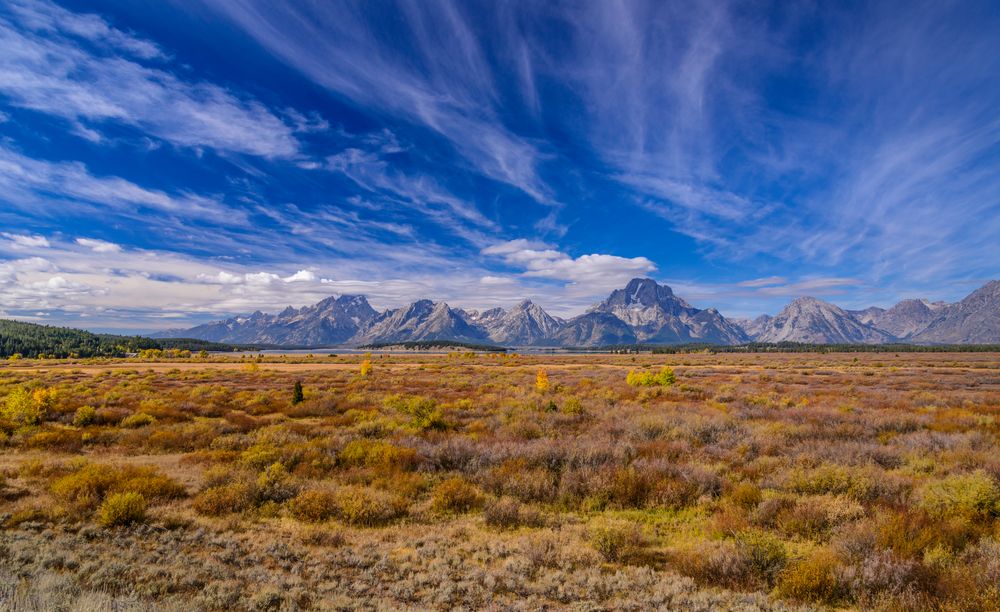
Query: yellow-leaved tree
[[542, 381]]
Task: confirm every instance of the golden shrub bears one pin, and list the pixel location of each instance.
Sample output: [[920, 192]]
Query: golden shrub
[[377, 453], [455, 495], [813, 579], [22, 408], [313, 505], [121, 509], [225, 499], [139, 419], [746, 495], [364, 507]]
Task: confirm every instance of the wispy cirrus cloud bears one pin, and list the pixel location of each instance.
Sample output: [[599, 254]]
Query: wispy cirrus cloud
[[99, 246], [26, 240], [78, 67], [435, 74], [37, 185]]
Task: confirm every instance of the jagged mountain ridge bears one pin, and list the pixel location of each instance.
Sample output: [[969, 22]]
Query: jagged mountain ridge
[[974, 320], [809, 320], [526, 324], [642, 312], [421, 320], [655, 315], [902, 320], [331, 321]]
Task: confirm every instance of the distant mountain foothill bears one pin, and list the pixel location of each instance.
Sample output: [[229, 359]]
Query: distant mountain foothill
[[641, 312]]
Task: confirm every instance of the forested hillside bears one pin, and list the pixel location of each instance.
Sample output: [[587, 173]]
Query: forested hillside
[[31, 340]]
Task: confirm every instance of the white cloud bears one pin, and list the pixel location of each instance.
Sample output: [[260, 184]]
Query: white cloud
[[442, 83], [817, 286], [99, 246], [48, 17], [257, 278], [26, 241], [300, 276], [496, 280], [597, 271], [763, 282], [36, 184], [29, 264], [420, 192], [222, 278], [43, 67]]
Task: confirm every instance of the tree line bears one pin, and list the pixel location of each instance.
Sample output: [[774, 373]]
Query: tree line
[[31, 340]]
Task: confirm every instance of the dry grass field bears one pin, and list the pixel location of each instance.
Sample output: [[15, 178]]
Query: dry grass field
[[866, 481]]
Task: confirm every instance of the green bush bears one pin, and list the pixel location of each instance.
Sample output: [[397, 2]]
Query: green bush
[[971, 496], [664, 378], [763, 553], [85, 415], [139, 419], [746, 495], [832, 478], [423, 411], [121, 509]]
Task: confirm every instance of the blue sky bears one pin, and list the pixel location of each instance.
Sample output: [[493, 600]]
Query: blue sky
[[163, 164]]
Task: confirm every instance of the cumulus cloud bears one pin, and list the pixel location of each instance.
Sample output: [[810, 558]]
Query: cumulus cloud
[[300, 276], [595, 270], [257, 278]]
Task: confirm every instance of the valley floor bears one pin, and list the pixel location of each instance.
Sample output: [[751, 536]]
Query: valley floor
[[762, 481]]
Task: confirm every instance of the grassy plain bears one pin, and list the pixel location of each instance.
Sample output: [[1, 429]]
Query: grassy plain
[[759, 481]]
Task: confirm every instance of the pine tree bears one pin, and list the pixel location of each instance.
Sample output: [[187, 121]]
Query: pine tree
[[297, 395]]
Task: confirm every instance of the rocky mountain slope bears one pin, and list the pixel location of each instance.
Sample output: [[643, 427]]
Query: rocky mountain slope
[[810, 320], [902, 320], [594, 329], [657, 316], [974, 320], [526, 324], [332, 321], [421, 320], [641, 312], [753, 327]]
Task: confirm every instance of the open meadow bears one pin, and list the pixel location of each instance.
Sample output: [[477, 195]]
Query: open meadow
[[689, 481]]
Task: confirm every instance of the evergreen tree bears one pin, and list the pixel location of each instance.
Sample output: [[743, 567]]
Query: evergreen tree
[[297, 395]]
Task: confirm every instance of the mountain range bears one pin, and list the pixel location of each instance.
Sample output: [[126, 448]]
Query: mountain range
[[642, 312]]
